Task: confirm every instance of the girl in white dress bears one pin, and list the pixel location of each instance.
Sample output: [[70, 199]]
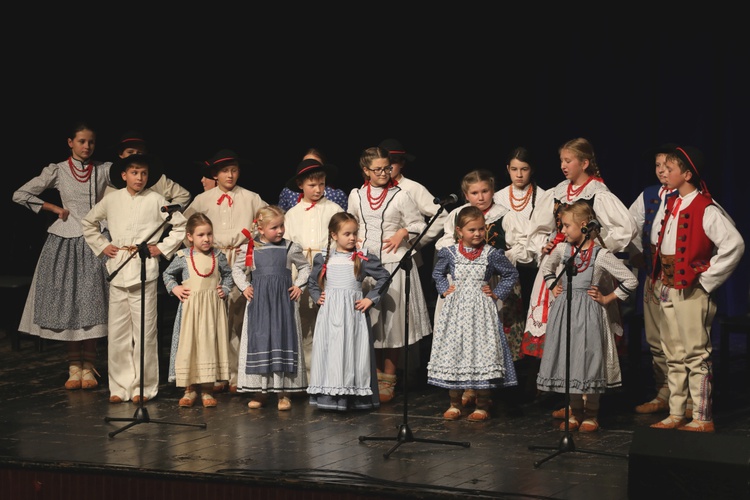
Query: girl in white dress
[[388, 218]]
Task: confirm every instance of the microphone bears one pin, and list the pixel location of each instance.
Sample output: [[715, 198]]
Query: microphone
[[171, 208], [449, 200], [593, 225]]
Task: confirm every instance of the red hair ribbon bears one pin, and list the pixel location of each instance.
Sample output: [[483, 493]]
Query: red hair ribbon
[[323, 271], [250, 248], [222, 197], [360, 255]]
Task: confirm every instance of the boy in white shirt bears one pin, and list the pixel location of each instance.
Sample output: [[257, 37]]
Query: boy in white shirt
[[135, 221], [307, 224]]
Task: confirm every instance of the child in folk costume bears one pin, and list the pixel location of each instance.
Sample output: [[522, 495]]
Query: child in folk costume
[[307, 224], [648, 212], [521, 198], [231, 208], [469, 348], [271, 358], [133, 142], [290, 195], [478, 188], [594, 322], [697, 251], [68, 297], [134, 215], [582, 182], [343, 374], [200, 277], [388, 218]]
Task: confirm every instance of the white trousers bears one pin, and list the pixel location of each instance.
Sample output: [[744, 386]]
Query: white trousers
[[124, 342]]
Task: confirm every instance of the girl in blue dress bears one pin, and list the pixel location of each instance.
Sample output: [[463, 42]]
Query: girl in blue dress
[[271, 357], [343, 374], [469, 348]]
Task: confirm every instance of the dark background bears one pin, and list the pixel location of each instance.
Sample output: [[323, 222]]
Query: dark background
[[460, 88]]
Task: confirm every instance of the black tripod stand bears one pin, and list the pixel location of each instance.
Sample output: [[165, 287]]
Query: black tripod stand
[[566, 442], [141, 414], [404, 432]]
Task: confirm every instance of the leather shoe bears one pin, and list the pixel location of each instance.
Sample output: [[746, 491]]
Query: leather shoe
[[589, 425], [656, 405], [560, 413], [671, 422], [698, 426]]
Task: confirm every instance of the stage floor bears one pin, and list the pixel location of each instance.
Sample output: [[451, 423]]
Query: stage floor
[[45, 426]]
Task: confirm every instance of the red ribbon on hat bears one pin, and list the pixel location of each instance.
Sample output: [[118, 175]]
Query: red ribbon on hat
[[223, 197], [250, 248]]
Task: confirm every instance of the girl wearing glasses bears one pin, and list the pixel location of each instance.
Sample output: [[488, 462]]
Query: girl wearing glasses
[[388, 218]]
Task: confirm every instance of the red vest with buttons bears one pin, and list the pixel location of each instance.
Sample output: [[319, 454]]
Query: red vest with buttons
[[693, 249]]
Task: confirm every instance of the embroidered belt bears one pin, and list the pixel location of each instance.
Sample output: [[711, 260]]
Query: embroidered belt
[[667, 270]]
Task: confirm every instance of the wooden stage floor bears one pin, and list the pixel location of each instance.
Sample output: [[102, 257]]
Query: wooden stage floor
[[57, 444]]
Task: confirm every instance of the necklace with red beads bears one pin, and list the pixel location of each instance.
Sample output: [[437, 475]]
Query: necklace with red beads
[[573, 192], [470, 254], [518, 204], [80, 175], [377, 201], [213, 264], [584, 256]]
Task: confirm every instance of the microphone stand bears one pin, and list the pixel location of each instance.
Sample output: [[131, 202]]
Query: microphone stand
[[566, 442], [141, 413], [405, 434]]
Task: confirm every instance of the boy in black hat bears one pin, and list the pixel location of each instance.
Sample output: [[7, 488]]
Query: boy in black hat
[[132, 143], [134, 215], [648, 212], [232, 209], [289, 196], [697, 250], [307, 224]]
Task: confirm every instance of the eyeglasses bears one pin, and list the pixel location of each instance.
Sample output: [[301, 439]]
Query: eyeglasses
[[380, 171]]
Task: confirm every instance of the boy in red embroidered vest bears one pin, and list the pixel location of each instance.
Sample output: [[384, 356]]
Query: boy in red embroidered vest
[[697, 250]]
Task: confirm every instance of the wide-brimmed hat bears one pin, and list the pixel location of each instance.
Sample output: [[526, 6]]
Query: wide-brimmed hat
[[666, 148], [218, 161], [131, 139], [396, 150], [155, 169], [307, 167]]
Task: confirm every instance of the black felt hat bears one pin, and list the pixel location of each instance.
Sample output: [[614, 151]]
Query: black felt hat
[[132, 139], [307, 167], [155, 169], [218, 161], [666, 148], [396, 150], [691, 157]]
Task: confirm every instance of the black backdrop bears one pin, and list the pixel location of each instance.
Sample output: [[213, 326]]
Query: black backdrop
[[460, 89]]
